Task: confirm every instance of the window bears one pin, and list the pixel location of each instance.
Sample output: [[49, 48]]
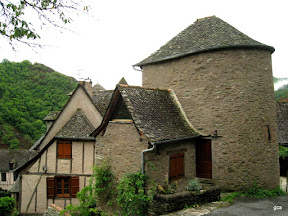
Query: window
[[3, 177], [62, 186], [64, 149], [176, 166]]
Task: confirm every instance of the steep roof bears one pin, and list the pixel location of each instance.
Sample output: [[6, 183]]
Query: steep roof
[[101, 100], [97, 87], [77, 126], [282, 118], [17, 156], [205, 34], [123, 81], [155, 112]]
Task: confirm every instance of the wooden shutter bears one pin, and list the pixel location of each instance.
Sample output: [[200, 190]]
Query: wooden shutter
[[74, 186], [64, 149], [50, 187], [176, 166]]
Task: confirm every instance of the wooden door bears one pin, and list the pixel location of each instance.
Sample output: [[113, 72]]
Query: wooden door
[[203, 159], [176, 166]]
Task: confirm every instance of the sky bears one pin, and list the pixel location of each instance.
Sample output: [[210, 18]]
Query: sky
[[118, 34]]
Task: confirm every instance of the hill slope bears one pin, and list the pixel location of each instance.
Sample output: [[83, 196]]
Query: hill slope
[[281, 94], [28, 92]]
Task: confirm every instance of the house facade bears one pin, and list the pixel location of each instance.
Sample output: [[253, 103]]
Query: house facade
[[219, 74], [65, 158], [146, 129]]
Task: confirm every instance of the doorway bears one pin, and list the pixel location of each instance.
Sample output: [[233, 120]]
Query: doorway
[[203, 159]]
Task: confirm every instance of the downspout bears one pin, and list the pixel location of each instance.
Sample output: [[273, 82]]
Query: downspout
[[143, 158]]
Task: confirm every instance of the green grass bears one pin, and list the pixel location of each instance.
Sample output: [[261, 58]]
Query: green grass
[[253, 192]]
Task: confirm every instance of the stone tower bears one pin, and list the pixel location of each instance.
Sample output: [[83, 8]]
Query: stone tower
[[223, 80]]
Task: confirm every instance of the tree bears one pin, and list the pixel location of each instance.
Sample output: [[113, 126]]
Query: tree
[[17, 26]]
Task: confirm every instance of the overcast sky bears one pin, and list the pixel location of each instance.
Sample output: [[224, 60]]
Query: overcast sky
[[118, 34]]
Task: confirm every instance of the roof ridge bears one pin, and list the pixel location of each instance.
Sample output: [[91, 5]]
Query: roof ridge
[[141, 87]]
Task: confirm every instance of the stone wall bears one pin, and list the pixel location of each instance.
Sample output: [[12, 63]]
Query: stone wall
[[157, 163], [121, 145], [230, 91], [163, 204]]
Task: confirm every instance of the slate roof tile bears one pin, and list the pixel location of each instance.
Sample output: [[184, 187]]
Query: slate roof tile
[[101, 100], [205, 34], [77, 126], [156, 113], [17, 156]]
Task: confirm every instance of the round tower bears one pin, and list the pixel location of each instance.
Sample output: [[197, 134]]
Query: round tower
[[223, 80]]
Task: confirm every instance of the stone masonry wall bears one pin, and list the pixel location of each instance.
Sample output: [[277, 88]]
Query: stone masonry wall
[[230, 91], [121, 145], [157, 163]]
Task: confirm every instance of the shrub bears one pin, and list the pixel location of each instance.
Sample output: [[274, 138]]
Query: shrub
[[104, 183], [193, 185], [283, 152], [101, 186], [131, 195], [7, 205]]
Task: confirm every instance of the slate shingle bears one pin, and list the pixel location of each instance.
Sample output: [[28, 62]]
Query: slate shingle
[[156, 113], [101, 100], [77, 126], [205, 34], [17, 156]]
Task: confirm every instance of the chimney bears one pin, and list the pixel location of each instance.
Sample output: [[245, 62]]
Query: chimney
[[88, 86]]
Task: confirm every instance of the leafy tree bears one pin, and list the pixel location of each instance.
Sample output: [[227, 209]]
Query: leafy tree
[[31, 91], [16, 26], [7, 205]]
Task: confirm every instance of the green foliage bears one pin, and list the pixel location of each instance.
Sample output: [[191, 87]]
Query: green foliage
[[101, 186], [28, 92], [282, 93], [283, 152], [131, 195], [194, 185], [254, 191], [104, 183], [16, 26], [7, 205]]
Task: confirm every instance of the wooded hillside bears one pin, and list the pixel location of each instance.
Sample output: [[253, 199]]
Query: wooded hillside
[[282, 93], [28, 92]]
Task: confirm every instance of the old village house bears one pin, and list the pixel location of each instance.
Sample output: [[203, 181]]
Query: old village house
[[198, 114]]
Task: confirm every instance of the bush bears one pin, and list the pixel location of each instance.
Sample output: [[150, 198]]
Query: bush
[[283, 152], [104, 183], [131, 195], [193, 185], [7, 205]]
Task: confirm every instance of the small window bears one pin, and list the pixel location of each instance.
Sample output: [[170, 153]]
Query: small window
[[64, 149], [176, 166], [62, 186], [3, 177]]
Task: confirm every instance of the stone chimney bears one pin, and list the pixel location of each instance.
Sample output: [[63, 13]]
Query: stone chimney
[[88, 86]]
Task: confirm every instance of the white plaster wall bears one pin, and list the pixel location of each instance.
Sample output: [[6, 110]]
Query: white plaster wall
[[78, 100]]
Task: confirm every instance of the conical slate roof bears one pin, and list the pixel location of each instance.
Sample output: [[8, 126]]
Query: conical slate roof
[[205, 34]]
